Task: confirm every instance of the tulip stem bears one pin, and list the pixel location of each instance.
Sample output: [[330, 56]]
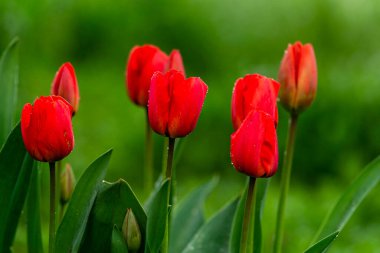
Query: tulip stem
[[165, 157], [148, 156], [245, 232], [52, 208], [168, 175], [285, 180]]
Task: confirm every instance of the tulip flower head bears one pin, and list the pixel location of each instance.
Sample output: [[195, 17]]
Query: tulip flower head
[[175, 103], [65, 84], [67, 181], [298, 77], [47, 129], [254, 149], [142, 63], [254, 92]]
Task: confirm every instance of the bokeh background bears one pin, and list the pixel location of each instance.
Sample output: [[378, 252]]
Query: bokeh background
[[220, 41]]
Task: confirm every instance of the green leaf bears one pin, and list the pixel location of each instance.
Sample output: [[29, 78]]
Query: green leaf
[[109, 209], [157, 218], [214, 235], [73, 225], [118, 242], [188, 217], [260, 193], [323, 244], [33, 212], [15, 170], [350, 200], [8, 88]]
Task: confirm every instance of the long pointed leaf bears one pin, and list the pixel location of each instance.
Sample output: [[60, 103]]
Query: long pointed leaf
[[15, 170], [214, 235], [8, 88], [69, 234], [323, 244], [188, 217], [33, 212], [157, 218], [351, 199], [109, 209]]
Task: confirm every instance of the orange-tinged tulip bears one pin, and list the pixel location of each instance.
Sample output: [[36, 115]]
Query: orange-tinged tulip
[[254, 149], [175, 103], [47, 129], [65, 84], [298, 77], [254, 92]]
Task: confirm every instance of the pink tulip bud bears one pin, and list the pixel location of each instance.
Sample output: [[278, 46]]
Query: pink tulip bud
[[175, 62], [298, 77], [254, 92], [46, 128], [65, 85], [254, 150], [175, 103]]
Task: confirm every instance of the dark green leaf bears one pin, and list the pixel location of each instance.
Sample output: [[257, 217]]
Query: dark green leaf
[[260, 193], [109, 209], [214, 235], [8, 88], [323, 244], [15, 170], [188, 217], [350, 200], [157, 218], [118, 242], [33, 212], [70, 231]]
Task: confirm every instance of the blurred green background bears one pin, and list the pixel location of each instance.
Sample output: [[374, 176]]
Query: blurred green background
[[219, 41]]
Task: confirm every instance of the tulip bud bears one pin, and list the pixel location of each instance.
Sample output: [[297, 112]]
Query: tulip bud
[[65, 84], [175, 103], [254, 92], [67, 183], [142, 63], [175, 62], [46, 128], [254, 150], [298, 77], [131, 231]]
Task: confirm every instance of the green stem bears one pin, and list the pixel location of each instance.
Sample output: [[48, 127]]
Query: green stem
[[52, 208], [168, 175], [285, 180], [165, 156], [245, 232], [148, 156]]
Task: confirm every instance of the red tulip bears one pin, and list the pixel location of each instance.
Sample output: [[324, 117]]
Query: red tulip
[[46, 128], [254, 92], [298, 77], [65, 84], [254, 150], [142, 63], [175, 103]]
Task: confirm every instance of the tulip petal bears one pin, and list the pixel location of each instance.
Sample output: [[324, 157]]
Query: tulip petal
[[254, 150], [175, 62], [187, 97], [158, 106]]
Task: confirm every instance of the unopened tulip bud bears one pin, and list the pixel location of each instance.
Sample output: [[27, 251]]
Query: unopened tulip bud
[[254, 92], [175, 103], [67, 184], [131, 231], [298, 77], [65, 84], [46, 128], [254, 150]]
